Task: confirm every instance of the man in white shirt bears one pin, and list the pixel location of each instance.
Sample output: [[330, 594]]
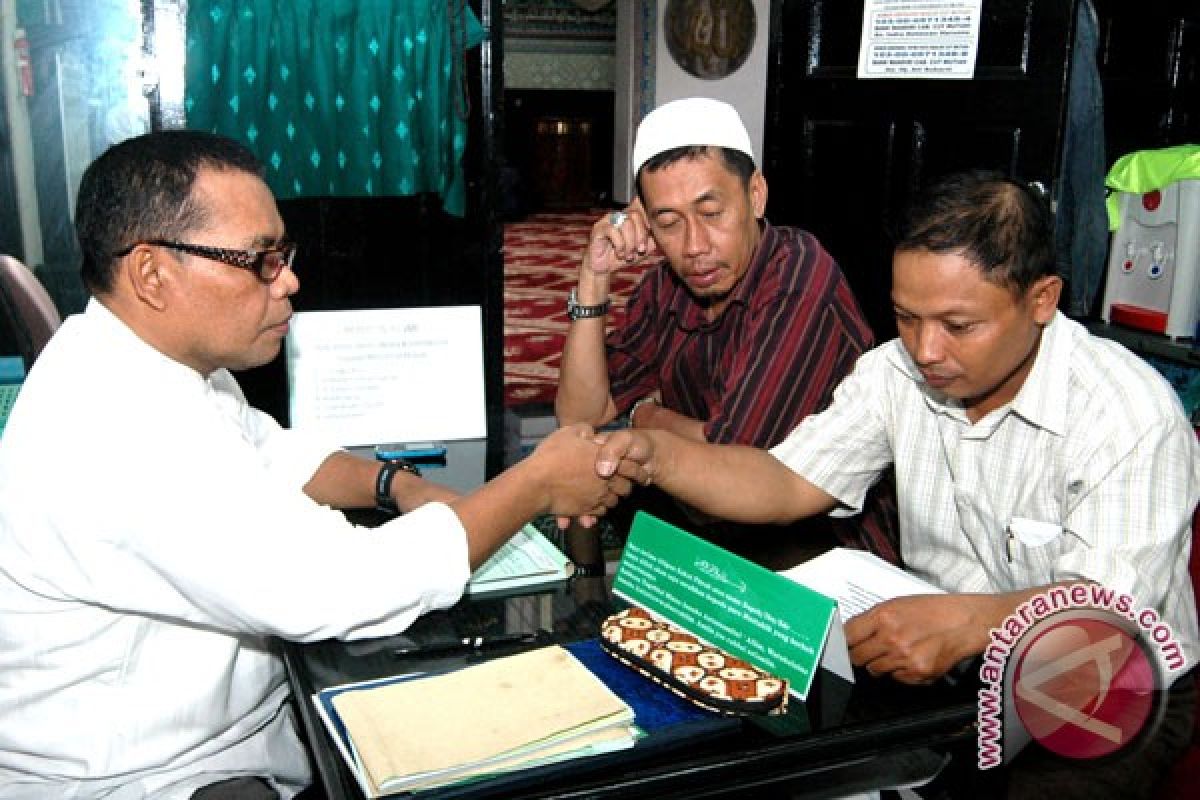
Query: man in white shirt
[[155, 529], [1027, 452]]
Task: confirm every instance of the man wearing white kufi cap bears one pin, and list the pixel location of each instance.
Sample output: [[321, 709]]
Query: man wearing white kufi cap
[[739, 333]]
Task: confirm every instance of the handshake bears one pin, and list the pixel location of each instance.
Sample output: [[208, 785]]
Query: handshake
[[584, 473]]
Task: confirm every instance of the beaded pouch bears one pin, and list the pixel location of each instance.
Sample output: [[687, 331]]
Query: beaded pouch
[[705, 675]]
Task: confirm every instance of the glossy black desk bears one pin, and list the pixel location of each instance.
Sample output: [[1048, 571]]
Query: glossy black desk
[[845, 738]]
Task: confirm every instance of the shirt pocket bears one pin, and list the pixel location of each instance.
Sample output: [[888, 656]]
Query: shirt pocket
[[1033, 532], [1033, 548]]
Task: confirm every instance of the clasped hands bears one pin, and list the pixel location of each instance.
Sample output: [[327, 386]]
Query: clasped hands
[[914, 639], [587, 473]]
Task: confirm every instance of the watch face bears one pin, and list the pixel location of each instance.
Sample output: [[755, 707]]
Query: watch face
[[406, 466], [709, 39]]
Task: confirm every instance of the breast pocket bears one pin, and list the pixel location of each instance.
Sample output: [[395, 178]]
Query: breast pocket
[[1034, 546], [1034, 532]]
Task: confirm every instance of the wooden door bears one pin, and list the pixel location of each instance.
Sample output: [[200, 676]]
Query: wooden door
[[1149, 61], [844, 156]]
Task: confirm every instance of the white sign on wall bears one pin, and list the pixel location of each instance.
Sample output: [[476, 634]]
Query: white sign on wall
[[935, 39]]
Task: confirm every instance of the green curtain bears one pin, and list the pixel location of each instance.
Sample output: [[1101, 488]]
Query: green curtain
[[349, 98]]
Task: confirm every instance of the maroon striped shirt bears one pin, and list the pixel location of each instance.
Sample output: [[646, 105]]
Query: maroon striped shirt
[[791, 331]]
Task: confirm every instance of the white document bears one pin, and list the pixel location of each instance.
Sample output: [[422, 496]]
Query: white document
[[835, 655], [856, 579], [528, 559], [930, 39], [387, 375]]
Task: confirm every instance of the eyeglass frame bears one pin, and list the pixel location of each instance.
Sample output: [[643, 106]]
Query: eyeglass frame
[[253, 261]]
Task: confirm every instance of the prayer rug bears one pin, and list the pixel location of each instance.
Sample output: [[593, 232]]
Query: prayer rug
[[541, 264]]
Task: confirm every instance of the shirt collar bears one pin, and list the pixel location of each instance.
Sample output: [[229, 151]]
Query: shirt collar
[[939, 403], [122, 336], [1041, 400]]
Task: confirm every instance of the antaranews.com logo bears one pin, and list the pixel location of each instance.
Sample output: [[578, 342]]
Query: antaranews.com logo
[[1077, 668]]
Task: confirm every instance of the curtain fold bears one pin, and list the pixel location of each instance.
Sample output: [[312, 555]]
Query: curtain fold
[[352, 98]]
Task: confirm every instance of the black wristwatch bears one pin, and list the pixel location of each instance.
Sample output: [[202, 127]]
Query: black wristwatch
[[383, 482], [576, 311]]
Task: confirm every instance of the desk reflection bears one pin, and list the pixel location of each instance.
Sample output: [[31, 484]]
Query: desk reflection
[[844, 738]]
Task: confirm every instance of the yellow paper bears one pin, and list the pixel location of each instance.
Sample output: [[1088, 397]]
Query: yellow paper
[[478, 719]]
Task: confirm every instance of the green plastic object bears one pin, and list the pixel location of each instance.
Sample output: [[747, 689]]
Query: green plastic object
[[1146, 170]]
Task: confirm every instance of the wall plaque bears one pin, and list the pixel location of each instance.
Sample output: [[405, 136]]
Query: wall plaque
[[709, 39]]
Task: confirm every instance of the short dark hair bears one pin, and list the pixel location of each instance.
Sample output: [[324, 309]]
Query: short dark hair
[[999, 224], [141, 189], [735, 161]]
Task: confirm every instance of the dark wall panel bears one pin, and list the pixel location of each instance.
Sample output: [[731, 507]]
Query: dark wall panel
[[1150, 65], [844, 156]]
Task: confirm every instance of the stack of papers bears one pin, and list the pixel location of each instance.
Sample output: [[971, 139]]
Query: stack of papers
[[527, 560], [416, 732]]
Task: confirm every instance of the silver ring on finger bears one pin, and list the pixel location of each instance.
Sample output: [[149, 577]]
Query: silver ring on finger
[[617, 218]]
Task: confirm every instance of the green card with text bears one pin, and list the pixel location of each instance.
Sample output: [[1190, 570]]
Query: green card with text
[[771, 621]]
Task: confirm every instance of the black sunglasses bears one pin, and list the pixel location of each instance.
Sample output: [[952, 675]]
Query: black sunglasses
[[265, 264]]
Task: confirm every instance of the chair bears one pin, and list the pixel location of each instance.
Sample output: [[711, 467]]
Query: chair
[[27, 307]]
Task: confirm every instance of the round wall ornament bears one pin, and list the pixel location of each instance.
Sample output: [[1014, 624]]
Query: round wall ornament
[[709, 39]]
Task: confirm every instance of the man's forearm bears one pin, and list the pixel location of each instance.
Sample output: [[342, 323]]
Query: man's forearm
[[653, 415], [988, 611], [583, 389], [492, 513], [742, 484], [345, 480], [562, 477]]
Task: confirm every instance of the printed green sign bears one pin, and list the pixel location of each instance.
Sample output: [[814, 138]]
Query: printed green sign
[[767, 619]]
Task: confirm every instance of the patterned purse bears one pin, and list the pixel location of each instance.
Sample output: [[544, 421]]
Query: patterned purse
[[674, 658]]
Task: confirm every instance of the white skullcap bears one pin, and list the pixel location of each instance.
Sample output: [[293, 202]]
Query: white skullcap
[[686, 123]]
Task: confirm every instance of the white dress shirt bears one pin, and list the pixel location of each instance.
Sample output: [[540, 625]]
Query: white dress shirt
[[153, 532], [1091, 472]]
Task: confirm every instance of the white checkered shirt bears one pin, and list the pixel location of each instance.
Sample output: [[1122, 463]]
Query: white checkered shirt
[[1091, 472]]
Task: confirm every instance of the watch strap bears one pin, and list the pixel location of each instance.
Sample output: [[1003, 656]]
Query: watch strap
[[576, 311], [383, 482]]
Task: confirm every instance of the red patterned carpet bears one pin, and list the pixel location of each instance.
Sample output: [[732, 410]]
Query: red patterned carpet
[[541, 264]]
